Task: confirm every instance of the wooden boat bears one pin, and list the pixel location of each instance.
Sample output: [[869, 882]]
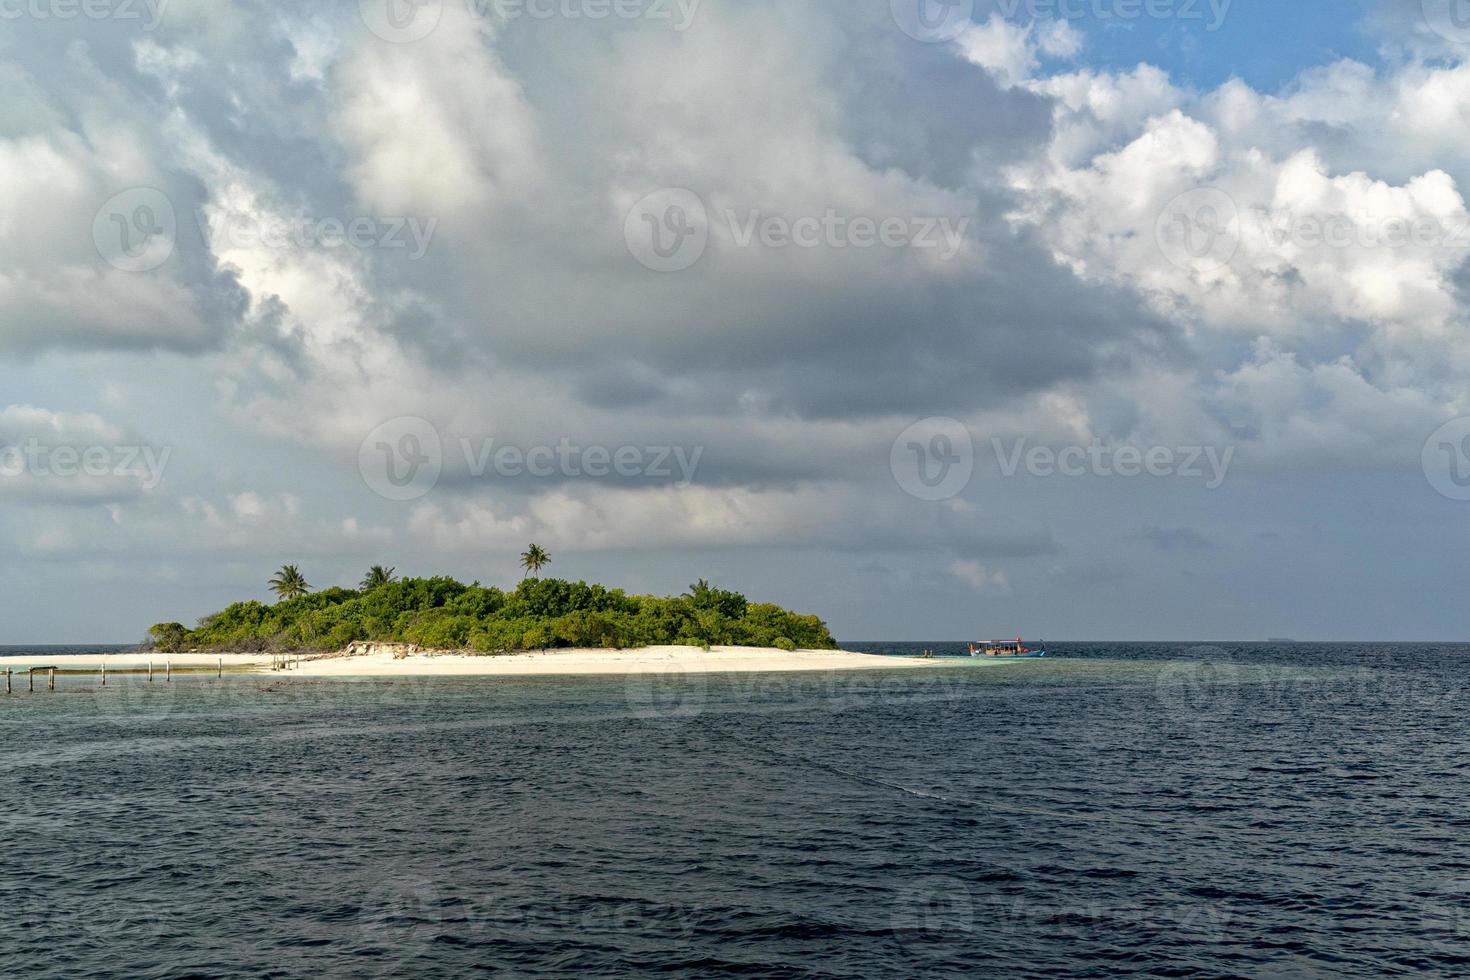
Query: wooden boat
[[1007, 650]]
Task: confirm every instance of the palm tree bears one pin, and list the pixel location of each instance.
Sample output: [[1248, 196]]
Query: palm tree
[[533, 559], [699, 593], [289, 583], [376, 576]]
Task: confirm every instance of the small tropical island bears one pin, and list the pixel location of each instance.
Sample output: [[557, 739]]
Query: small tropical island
[[562, 625], [441, 613]]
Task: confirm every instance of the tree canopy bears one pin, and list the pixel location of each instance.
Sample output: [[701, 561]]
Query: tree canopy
[[533, 559], [289, 583], [376, 576], [443, 614]]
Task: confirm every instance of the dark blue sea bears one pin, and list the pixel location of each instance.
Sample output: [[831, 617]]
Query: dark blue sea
[[1184, 810]]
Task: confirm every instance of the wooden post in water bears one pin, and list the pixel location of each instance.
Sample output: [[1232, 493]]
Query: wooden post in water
[[7, 680], [221, 667], [31, 676], [51, 679], [104, 673], [168, 670], [150, 672]]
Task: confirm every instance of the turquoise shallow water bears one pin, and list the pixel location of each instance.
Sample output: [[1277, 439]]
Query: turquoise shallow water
[[1161, 810]]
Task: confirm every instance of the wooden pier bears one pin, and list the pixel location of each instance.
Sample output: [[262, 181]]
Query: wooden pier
[[278, 663], [31, 673]]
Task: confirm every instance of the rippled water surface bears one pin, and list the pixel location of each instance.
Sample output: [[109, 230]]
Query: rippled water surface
[[1123, 809]]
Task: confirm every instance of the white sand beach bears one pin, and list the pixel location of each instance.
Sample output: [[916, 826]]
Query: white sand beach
[[652, 660], [390, 663]]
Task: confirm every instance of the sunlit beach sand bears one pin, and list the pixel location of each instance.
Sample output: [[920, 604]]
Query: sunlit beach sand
[[388, 663]]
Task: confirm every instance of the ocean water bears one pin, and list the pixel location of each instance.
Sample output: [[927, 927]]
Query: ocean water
[[1191, 810]]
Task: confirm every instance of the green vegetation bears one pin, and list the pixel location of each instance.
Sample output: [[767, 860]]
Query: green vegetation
[[288, 583], [169, 637], [440, 613], [533, 559], [376, 576]]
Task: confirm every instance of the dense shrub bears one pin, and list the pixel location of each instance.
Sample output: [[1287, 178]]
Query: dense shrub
[[168, 637], [440, 613]]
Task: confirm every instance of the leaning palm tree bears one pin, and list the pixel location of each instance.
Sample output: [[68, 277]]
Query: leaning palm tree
[[533, 559], [289, 583], [376, 576]]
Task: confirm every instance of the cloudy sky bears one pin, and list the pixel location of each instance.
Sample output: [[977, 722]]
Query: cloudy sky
[[1074, 318]]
